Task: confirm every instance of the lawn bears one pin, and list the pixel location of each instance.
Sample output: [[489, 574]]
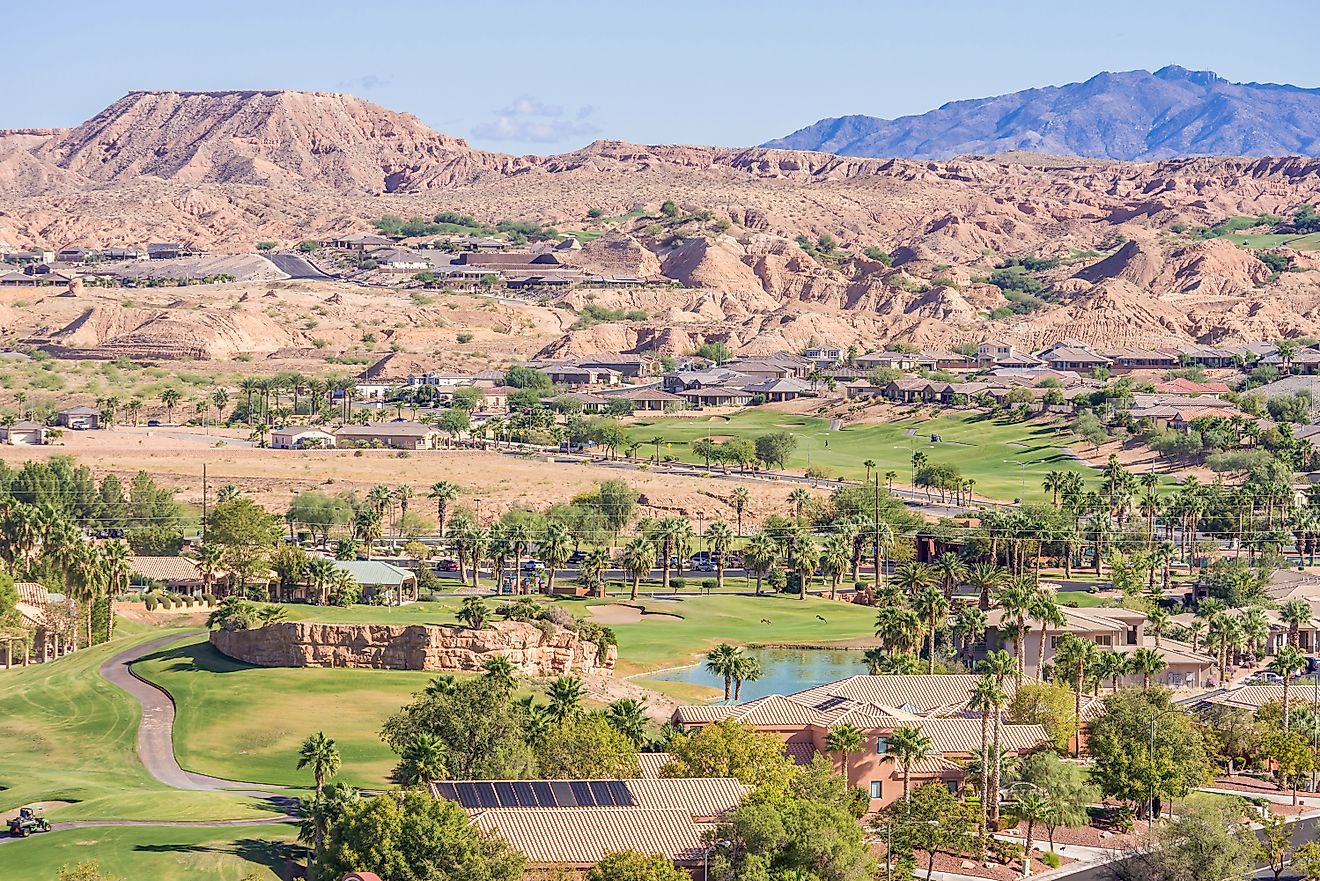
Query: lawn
[[245, 723], [69, 735], [1007, 460], [1307, 242], [161, 853]]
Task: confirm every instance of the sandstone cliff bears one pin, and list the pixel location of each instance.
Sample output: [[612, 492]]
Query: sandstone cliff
[[533, 651]]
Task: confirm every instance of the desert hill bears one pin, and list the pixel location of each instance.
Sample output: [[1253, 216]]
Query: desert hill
[[1132, 115], [1124, 252]]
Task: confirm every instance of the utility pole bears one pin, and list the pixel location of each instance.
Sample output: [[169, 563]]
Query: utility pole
[[203, 503]]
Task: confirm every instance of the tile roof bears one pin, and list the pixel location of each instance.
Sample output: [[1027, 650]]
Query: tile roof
[[651, 763], [165, 568], [386, 429], [923, 692], [583, 836], [698, 796], [32, 593], [1248, 697]]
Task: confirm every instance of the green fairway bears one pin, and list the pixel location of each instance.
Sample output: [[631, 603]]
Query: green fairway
[[69, 735], [1007, 460], [1307, 242], [245, 723], [160, 853]]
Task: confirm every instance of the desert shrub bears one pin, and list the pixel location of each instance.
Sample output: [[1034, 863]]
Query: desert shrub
[[151, 602]]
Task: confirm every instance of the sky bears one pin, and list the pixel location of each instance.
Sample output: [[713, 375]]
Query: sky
[[525, 77]]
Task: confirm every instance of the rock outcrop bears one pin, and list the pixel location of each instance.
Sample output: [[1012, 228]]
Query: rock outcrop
[[535, 650]]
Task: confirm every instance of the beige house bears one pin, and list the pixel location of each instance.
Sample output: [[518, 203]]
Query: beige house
[[395, 435], [301, 437]]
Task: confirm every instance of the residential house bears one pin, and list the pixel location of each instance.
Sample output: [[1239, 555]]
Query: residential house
[[776, 366], [81, 418], [29, 258], [168, 251], [25, 433], [936, 705], [909, 391], [711, 377], [1304, 361], [824, 356], [648, 399], [993, 351], [20, 280], [574, 824], [573, 375], [892, 360], [1184, 386], [590, 403], [174, 573], [776, 390], [115, 254], [395, 435], [718, 396], [1071, 355], [1129, 359], [631, 366], [378, 578], [74, 255], [496, 397], [400, 260], [301, 437], [359, 242], [939, 359]]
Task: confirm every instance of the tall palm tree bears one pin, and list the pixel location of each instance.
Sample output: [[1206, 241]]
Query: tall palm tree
[[500, 671], [740, 497], [442, 492], [806, 559], [1295, 613], [554, 549], [931, 605], [898, 628], [908, 745], [1047, 611], [835, 558], [638, 560], [1287, 663], [1074, 656], [969, 622], [565, 695], [319, 753], [1017, 599], [952, 572], [844, 740], [1054, 483], [914, 577], [760, 555], [988, 697], [999, 665], [986, 578], [593, 568], [745, 669], [1148, 662], [798, 499], [114, 557], [402, 496], [1157, 620], [1112, 666], [723, 661], [719, 538]]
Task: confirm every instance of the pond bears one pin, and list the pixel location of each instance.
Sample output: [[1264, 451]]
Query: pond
[[786, 671]]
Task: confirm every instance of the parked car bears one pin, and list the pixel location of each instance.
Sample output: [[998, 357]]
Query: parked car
[[446, 565], [533, 566], [153, 423], [704, 566], [576, 558], [1264, 677]]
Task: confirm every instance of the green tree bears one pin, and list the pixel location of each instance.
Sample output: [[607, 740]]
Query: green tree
[[630, 865], [246, 533], [586, 746], [1064, 787], [414, 837], [1047, 704], [422, 760], [908, 745], [775, 448], [728, 749], [319, 753], [474, 613]]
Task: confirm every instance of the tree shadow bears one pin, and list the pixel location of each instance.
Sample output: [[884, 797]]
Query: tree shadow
[[200, 657]]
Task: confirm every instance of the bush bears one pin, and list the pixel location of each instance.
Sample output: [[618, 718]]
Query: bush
[[464, 337], [678, 583], [878, 255], [1051, 859], [266, 246], [709, 584], [308, 246], [151, 602]]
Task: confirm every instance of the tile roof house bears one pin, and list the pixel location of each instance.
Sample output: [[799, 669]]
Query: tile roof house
[[396, 435], [174, 572], [81, 418], [937, 705], [25, 433], [301, 437]]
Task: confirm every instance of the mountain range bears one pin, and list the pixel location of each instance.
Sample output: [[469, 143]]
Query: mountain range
[[1134, 115]]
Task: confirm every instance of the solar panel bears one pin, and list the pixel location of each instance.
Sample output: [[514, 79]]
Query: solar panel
[[563, 794], [484, 794], [620, 795], [582, 792], [542, 795], [465, 795], [525, 795], [504, 794], [446, 791]]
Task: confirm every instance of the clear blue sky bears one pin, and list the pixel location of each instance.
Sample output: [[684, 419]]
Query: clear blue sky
[[550, 76]]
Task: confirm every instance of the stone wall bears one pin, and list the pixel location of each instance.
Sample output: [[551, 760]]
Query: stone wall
[[534, 652]]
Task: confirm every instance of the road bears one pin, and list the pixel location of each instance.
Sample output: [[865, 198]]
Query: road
[[296, 267]]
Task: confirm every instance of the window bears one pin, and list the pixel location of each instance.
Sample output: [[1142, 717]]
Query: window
[[877, 789], [881, 747], [1106, 639], [1054, 642]]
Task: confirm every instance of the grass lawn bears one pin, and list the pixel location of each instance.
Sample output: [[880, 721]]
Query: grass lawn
[[161, 853], [1080, 599], [69, 735], [245, 723], [1307, 242], [1005, 459]]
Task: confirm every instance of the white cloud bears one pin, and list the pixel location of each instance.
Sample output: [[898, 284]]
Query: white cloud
[[527, 119]]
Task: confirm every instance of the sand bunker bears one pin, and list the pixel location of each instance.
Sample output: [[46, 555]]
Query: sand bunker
[[617, 613]]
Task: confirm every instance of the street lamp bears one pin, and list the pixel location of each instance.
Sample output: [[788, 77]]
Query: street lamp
[[1150, 758]]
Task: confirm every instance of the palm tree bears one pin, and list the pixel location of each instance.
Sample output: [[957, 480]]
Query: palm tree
[[422, 760], [998, 665], [554, 549], [565, 695], [914, 577], [592, 570], [1054, 483], [1033, 807], [1075, 655], [170, 397], [1047, 611], [987, 697], [318, 752], [723, 661], [986, 578], [898, 628], [402, 495], [869, 465], [474, 613], [443, 493], [908, 746], [1017, 599], [319, 813], [638, 560], [952, 571], [931, 605], [745, 669], [500, 671], [835, 558], [806, 559], [442, 685], [890, 477], [1295, 613], [1286, 663], [1156, 621], [760, 555], [969, 622], [719, 538], [628, 717], [739, 498], [798, 499], [116, 573], [1112, 666], [1148, 662], [845, 740]]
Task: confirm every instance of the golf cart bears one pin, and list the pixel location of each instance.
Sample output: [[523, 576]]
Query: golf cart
[[29, 820]]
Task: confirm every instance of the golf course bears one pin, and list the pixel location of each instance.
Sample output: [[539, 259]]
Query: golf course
[[1006, 459]]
